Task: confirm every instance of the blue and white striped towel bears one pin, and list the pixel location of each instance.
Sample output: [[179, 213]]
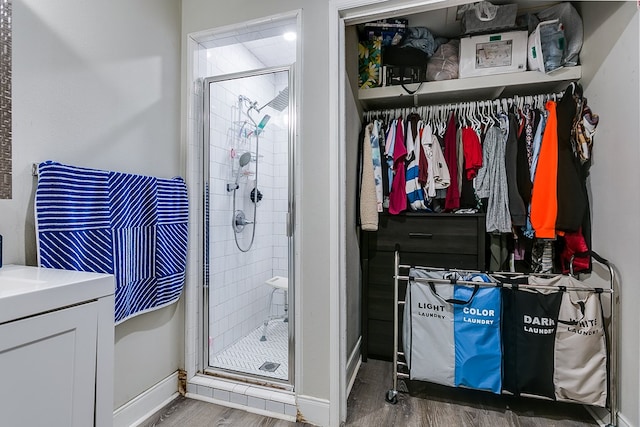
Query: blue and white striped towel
[[131, 226]]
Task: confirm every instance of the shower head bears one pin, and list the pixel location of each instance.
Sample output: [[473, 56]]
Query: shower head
[[244, 159], [242, 162], [280, 102]]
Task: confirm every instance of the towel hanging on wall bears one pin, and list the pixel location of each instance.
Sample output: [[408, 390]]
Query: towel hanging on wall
[[131, 226]]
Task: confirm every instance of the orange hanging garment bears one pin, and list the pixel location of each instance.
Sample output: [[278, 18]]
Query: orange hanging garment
[[544, 196]]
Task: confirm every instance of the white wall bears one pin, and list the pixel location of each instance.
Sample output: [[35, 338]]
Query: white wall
[[610, 59], [97, 84]]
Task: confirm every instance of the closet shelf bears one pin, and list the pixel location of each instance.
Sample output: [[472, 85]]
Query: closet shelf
[[469, 89]]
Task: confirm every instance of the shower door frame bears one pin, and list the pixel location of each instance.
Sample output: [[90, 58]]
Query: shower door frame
[[290, 228]]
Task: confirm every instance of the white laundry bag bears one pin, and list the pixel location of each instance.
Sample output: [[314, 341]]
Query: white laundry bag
[[580, 373]]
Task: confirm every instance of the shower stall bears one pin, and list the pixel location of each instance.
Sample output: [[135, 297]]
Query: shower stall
[[248, 237]]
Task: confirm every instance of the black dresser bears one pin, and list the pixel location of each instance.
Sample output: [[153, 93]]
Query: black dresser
[[432, 240]]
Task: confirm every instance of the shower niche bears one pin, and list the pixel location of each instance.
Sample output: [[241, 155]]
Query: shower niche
[[247, 241]]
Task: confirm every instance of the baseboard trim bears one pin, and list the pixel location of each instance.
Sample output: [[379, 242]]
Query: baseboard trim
[[143, 406], [353, 365], [603, 417], [314, 411], [623, 422]]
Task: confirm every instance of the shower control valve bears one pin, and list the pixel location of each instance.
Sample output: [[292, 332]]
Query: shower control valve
[[239, 221]]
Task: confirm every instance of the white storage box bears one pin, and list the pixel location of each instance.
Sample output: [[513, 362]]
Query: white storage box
[[493, 54]]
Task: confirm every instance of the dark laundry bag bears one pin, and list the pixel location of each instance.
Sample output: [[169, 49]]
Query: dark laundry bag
[[530, 320]]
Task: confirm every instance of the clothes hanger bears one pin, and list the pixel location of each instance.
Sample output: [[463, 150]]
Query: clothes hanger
[[485, 119], [442, 128], [477, 118]]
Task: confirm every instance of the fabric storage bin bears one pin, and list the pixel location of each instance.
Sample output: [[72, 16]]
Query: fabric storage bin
[[580, 349], [493, 54], [478, 337], [530, 319], [428, 341], [451, 333]]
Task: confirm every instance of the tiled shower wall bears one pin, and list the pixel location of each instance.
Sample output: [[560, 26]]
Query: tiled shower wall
[[238, 300]]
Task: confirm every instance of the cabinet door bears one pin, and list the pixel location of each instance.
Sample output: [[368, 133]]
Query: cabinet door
[[47, 366]]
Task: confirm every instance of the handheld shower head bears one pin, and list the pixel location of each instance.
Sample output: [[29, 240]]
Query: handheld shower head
[[242, 162], [244, 159]]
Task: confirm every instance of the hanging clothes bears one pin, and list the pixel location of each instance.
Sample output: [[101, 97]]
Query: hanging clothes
[[573, 165], [452, 200], [584, 130], [524, 155], [423, 164], [460, 157], [491, 182], [415, 194], [472, 161], [537, 140], [498, 252], [368, 209], [572, 195], [398, 195], [472, 152], [376, 157], [388, 151], [528, 168], [516, 204], [383, 164], [544, 201], [438, 177]]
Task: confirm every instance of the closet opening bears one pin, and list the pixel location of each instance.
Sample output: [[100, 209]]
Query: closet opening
[[466, 236]]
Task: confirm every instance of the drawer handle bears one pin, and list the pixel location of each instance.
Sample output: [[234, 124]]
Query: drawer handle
[[420, 235]]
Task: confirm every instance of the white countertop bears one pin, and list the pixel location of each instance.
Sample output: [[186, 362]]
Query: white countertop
[[26, 291]]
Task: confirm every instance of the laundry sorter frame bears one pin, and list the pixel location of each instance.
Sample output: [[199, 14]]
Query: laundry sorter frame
[[611, 338]]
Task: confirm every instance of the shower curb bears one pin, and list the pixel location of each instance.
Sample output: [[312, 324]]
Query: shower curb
[[266, 401]]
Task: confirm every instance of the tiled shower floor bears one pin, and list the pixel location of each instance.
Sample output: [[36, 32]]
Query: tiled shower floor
[[249, 354]]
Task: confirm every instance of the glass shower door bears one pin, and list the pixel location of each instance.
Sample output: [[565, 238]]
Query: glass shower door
[[247, 239]]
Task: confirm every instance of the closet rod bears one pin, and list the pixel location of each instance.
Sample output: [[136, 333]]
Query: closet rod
[[504, 285], [499, 103]]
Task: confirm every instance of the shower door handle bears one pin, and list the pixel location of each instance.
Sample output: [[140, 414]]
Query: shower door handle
[[289, 225]]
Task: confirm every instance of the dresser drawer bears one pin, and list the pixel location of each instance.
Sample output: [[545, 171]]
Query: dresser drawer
[[430, 240], [437, 233]]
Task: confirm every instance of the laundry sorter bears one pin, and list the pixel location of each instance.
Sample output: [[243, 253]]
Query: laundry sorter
[[547, 336]]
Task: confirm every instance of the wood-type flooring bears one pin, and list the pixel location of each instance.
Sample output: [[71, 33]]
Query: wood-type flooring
[[426, 405]]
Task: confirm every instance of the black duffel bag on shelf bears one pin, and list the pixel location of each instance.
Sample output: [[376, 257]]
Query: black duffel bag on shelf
[[403, 65], [406, 62]]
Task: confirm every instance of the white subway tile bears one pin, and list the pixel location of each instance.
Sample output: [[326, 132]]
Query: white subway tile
[[290, 410], [204, 391], [240, 399], [221, 394], [277, 407], [256, 402]]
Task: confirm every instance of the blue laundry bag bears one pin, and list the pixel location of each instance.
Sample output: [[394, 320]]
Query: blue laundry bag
[[477, 333]]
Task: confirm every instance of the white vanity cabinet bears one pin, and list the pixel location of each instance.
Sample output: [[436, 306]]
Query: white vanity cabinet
[[56, 347]]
